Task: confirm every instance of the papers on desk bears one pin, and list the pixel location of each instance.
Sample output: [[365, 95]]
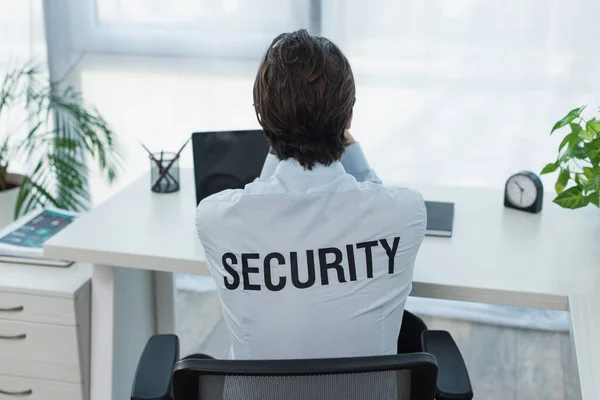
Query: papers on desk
[[22, 241]]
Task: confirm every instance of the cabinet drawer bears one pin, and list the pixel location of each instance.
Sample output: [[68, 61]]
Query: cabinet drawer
[[39, 350], [12, 388], [34, 308]]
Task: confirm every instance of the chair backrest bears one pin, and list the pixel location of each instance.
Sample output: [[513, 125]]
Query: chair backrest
[[396, 377]]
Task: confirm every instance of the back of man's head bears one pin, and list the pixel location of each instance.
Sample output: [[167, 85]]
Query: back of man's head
[[303, 96]]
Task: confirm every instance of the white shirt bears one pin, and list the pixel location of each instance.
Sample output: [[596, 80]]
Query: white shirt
[[313, 263]]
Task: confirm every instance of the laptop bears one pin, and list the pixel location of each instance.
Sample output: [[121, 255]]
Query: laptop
[[232, 159], [227, 160]]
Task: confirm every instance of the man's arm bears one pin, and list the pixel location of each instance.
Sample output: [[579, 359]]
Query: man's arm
[[353, 160], [355, 163]]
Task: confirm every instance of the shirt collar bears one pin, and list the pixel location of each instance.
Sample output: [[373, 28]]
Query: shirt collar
[[320, 173]]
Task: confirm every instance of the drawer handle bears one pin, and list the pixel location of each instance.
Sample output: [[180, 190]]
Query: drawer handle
[[14, 337], [11, 309], [23, 393]]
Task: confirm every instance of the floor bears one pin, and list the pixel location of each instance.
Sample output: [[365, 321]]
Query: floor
[[503, 363]]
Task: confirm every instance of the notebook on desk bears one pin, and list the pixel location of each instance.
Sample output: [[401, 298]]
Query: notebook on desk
[[440, 218]]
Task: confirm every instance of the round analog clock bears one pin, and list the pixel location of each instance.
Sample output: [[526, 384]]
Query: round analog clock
[[524, 191]]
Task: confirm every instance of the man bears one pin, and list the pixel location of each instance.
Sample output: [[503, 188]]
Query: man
[[315, 258]]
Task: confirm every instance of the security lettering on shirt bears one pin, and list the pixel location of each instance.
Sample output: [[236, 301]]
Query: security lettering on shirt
[[324, 236], [323, 266]]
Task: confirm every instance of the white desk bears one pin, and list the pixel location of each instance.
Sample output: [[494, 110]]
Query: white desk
[[499, 256]]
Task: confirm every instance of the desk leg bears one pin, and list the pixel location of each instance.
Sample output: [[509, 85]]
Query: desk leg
[[584, 329], [122, 321], [164, 297]]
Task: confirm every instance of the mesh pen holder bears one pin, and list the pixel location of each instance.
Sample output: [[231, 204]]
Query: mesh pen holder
[[164, 172]]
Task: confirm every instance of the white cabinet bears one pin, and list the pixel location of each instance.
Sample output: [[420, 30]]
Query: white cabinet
[[44, 332], [12, 387]]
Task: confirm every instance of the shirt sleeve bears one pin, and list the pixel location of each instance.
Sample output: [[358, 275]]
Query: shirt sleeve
[[355, 163], [269, 166]]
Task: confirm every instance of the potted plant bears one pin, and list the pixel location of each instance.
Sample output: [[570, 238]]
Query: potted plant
[[55, 140], [578, 183]]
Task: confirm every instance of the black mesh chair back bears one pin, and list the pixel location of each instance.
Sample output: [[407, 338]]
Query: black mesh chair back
[[396, 377]]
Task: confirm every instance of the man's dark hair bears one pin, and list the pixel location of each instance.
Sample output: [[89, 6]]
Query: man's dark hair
[[303, 97]]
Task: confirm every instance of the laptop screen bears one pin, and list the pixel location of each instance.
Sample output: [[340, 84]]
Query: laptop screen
[[227, 160]]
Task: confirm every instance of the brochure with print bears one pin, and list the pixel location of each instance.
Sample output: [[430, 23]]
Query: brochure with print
[[23, 240]]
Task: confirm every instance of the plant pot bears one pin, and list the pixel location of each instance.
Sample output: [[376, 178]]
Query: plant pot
[[8, 199]]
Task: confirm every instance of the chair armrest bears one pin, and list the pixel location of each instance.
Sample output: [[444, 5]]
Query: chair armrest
[[154, 371], [453, 381]]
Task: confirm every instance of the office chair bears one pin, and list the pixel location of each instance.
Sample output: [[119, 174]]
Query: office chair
[[436, 371]]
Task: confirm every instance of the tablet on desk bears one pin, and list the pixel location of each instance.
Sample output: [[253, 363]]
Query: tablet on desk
[[227, 160]]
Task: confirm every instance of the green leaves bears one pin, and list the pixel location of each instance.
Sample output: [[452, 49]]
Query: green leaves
[[550, 168], [563, 179], [88, 130], [593, 126], [594, 198], [569, 139], [570, 117], [586, 135], [577, 130], [578, 161], [592, 149], [572, 198], [63, 133]]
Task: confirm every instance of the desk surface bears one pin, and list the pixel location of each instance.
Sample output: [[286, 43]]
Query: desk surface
[[496, 255]]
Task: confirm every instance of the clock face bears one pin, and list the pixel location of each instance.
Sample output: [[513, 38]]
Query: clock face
[[521, 191]]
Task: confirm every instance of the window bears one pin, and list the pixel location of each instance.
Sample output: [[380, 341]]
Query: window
[[190, 28], [449, 92], [21, 40], [464, 92], [21, 33]]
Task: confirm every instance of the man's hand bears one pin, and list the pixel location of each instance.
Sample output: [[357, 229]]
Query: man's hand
[[349, 139]]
